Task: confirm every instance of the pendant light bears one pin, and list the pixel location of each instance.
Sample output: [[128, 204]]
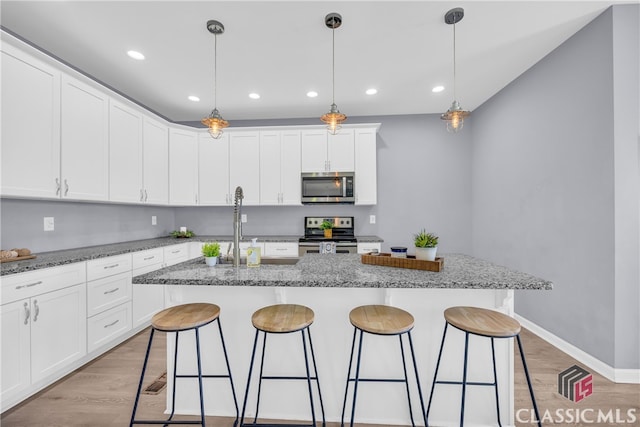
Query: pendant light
[[455, 114], [334, 117], [214, 121]]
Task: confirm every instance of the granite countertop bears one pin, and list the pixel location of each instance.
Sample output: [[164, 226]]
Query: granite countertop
[[346, 271]]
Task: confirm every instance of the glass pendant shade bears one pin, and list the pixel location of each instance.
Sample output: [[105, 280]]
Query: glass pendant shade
[[333, 119], [454, 117], [215, 123]]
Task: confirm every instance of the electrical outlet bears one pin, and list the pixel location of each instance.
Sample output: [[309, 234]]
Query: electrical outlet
[[372, 219], [48, 223], [154, 220], [243, 218]]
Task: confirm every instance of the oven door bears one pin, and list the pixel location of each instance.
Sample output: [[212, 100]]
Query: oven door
[[316, 248]]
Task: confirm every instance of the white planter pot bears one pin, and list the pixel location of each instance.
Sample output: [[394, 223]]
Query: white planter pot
[[211, 260], [428, 254]]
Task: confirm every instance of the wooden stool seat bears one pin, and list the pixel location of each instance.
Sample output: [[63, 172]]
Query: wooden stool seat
[[381, 319], [480, 321], [282, 318], [184, 317]]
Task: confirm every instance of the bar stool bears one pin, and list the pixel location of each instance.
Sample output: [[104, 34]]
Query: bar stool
[[484, 323], [380, 320], [179, 319], [283, 319]]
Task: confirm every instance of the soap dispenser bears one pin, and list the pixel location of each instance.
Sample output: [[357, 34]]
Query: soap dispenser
[[253, 254]]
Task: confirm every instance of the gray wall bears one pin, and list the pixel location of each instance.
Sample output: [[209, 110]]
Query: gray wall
[[545, 193]]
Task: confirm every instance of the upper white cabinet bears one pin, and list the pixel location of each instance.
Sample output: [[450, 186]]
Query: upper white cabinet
[[30, 126], [280, 167], [155, 162], [244, 165], [366, 171], [323, 152], [183, 167], [84, 141], [213, 170], [125, 154]]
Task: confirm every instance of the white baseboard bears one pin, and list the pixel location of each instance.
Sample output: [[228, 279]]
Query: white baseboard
[[628, 376]]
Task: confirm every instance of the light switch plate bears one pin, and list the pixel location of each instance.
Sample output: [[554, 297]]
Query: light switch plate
[[372, 219], [154, 220], [243, 218], [48, 223]]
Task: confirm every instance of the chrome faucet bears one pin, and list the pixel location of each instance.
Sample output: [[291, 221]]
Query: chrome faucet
[[237, 225]]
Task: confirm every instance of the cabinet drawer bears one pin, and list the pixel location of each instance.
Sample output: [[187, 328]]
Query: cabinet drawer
[[105, 267], [108, 292], [26, 285], [108, 326], [365, 248], [285, 249], [146, 258], [176, 253]]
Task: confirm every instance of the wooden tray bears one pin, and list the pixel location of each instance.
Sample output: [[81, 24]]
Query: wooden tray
[[19, 258], [409, 262]]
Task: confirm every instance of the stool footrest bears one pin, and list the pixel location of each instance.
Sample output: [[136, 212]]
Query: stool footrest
[[203, 376], [288, 378], [468, 383], [382, 380], [165, 422], [274, 425]]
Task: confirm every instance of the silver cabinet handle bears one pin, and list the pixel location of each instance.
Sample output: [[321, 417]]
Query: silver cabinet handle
[[177, 251], [66, 187], [110, 266], [149, 257], [145, 195], [141, 195], [39, 282], [27, 313], [111, 291], [37, 310], [111, 324], [58, 186]]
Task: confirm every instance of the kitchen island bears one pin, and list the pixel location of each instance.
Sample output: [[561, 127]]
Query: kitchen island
[[332, 285]]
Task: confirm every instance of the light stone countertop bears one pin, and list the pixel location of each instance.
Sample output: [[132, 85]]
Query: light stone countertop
[[347, 271]]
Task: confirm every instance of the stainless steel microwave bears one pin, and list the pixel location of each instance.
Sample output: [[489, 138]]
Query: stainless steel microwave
[[328, 187]]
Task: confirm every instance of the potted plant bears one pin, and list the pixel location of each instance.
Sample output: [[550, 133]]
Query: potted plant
[[327, 227], [426, 245], [211, 252]]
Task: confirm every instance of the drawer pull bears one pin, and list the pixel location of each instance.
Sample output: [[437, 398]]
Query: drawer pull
[[37, 310], [39, 282], [111, 266], [111, 291], [111, 324], [149, 257], [177, 251], [281, 249], [27, 313]]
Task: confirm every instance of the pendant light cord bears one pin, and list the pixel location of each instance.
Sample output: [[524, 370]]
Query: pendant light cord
[[215, 71], [455, 97], [333, 63]]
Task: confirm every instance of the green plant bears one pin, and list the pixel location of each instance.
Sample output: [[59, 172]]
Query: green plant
[[425, 240], [326, 225], [177, 233], [211, 249]]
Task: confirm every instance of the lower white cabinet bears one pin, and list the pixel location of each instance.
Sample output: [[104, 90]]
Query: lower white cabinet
[[108, 292], [108, 325], [176, 254], [16, 347], [281, 249], [366, 247], [147, 299]]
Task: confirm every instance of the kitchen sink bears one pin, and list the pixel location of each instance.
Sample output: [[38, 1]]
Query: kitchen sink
[[264, 260]]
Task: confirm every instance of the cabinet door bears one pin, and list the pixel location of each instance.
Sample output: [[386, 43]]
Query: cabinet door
[[183, 167], [30, 126], [58, 330], [213, 170], [366, 176], [16, 341], [314, 150], [84, 142], [290, 168], [340, 148], [244, 165], [270, 168], [155, 162], [125, 154]]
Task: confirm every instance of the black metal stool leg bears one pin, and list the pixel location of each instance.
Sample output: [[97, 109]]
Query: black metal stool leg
[[264, 348], [306, 365], [200, 388], [315, 370], [464, 377], [175, 370], [226, 359], [495, 381], [144, 368], [415, 368], [355, 386], [526, 373], [406, 380], [435, 376], [346, 389], [246, 393]]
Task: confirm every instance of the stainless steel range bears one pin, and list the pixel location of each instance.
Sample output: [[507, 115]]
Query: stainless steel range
[[343, 239]]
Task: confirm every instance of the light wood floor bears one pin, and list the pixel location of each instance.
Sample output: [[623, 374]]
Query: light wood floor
[[102, 392]]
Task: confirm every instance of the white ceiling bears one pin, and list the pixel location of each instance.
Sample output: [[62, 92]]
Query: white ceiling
[[281, 50]]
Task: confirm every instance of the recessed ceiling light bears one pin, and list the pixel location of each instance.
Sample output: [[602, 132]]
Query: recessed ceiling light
[[437, 89], [371, 91], [135, 55], [194, 98], [312, 94], [254, 95]]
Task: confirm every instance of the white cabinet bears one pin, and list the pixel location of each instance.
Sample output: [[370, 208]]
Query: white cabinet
[[183, 167], [280, 167], [106, 327], [108, 292], [281, 249], [147, 299], [323, 152], [84, 141], [366, 247], [175, 254], [244, 165], [366, 183], [16, 347], [155, 158], [213, 170], [125, 154], [30, 126]]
